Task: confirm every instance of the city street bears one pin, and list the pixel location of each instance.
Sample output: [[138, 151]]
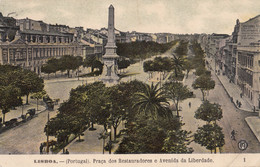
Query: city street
[[27, 137], [233, 119]]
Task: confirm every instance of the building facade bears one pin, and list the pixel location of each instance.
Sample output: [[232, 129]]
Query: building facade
[[238, 56], [35, 42], [248, 59]]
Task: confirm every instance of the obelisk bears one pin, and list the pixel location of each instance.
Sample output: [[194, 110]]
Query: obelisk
[[109, 74]]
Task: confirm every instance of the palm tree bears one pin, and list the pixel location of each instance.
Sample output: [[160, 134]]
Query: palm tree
[[152, 101], [178, 64]]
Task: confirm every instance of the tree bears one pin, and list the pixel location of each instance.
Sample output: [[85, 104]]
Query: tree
[[51, 66], [210, 136], [204, 83], [201, 70], [59, 127], [209, 112], [38, 95], [199, 59], [78, 123], [117, 108], [152, 101], [188, 65], [177, 92], [10, 97], [177, 142], [148, 67], [68, 63], [127, 97], [79, 62], [46, 69], [178, 64], [162, 65], [182, 48], [99, 65], [78, 119], [147, 135], [142, 49], [89, 61], [28, 82], [92, 98], [122, 64]]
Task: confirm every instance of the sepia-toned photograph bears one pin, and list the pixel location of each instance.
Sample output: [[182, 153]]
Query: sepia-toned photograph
[[163, 78]]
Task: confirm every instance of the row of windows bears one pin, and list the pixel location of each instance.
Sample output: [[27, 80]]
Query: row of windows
[[246, 60], [246, 76]]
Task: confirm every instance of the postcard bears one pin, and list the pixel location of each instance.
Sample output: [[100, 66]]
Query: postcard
[[129, 83]]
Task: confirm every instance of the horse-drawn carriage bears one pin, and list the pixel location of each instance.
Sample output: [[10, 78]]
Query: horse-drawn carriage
[[11, 123], [29, 115]]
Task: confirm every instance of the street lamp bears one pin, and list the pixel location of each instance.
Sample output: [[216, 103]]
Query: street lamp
[[47, 132], [110, 121], [103, 136], [110, 141], [22, 109]]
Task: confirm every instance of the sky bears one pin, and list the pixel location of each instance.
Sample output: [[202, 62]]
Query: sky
[[153, 16]]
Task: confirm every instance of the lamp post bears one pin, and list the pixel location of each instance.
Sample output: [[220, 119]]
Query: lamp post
[[110, 141], [103, 136], [47, 131], [22, 109]]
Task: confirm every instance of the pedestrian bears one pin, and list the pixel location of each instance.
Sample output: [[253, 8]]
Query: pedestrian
[[41, 148], [190, 104], [233, 135], [67, 151], [239, 104], [241, 95]]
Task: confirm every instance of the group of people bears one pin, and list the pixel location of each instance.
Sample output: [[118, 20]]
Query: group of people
[[233, 135], [239, 104]]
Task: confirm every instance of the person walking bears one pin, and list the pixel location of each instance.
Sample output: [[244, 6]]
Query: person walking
[[41, 148], [190, 104], [233, 135]]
